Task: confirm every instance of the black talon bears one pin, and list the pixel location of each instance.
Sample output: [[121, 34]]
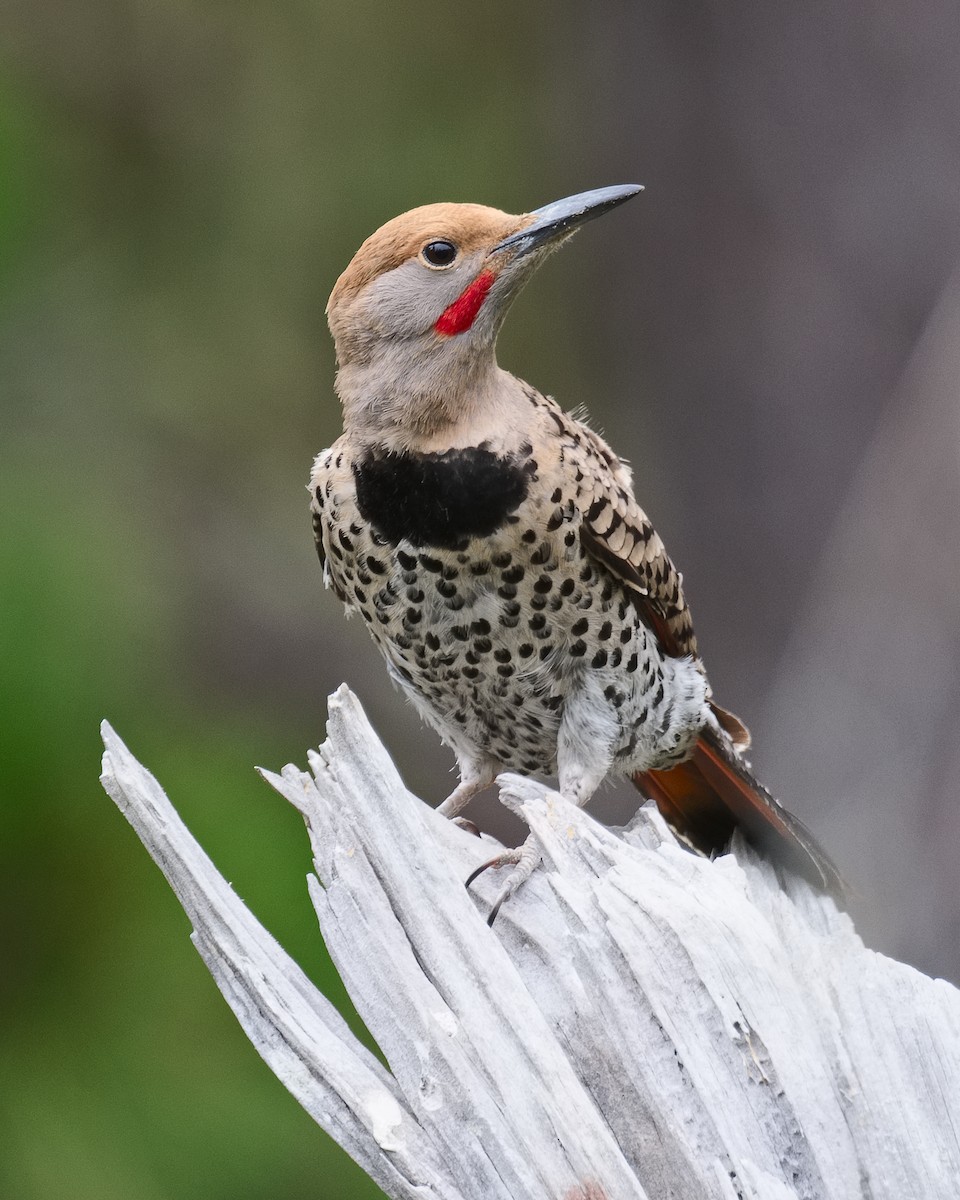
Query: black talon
[[473, 875], [479, 871]]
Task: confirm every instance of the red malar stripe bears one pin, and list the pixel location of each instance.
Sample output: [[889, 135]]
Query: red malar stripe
[[463, 311]]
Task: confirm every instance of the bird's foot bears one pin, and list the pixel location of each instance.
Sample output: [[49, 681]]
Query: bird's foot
[[524, 860]]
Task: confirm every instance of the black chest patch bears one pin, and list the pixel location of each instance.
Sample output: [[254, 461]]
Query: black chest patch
[[439, 499]]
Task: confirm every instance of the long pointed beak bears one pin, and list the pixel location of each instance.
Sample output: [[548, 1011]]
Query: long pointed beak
[[561, 216]]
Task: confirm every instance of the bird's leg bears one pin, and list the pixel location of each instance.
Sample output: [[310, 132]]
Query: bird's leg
[[525, 859], [475, 775], [588, 733], [584, 756]]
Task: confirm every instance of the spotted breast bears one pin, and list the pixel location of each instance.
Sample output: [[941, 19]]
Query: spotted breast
[[484, 580]]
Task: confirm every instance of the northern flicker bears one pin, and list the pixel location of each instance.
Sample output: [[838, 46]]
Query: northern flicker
[[493, 545]]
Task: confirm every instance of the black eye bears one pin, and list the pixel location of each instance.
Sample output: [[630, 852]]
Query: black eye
[[439, 254]]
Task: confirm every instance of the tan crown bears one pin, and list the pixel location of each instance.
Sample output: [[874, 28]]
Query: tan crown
[[469, 226]]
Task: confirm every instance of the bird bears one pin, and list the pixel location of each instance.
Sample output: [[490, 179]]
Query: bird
[[494, 547]]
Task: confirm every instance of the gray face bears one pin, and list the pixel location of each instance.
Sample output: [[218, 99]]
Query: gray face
[[407, 302]]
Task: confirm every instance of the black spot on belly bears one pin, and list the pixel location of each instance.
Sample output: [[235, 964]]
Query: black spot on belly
[[438, 499]]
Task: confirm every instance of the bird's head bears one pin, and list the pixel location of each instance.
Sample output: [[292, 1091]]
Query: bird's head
[[416, 314]]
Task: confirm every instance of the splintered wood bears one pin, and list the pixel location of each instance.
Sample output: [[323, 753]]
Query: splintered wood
[[640, 1022]]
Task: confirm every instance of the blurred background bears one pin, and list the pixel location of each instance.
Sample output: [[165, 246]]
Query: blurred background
[[771, 334]]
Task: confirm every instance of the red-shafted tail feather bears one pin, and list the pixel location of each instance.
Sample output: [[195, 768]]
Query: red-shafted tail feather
[[714, 792]]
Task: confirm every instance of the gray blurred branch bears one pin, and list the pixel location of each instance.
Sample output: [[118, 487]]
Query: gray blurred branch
[[640, 1022], [871, 672]]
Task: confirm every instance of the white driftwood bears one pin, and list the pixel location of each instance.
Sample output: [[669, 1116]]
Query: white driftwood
[[640, 1022]]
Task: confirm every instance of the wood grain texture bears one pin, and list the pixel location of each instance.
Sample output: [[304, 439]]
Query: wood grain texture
[[640, 1022]]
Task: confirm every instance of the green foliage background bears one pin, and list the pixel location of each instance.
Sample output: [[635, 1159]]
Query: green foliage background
[[181, 185]]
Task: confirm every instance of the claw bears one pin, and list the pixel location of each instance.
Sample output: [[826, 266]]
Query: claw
[[506, 859], [523, 859], [496, 908]]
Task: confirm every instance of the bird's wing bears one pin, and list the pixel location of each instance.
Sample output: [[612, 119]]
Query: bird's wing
[[319, 495], [617, 533], [328, 484]]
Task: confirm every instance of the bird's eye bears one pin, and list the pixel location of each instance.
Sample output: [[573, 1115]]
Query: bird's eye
[[439, 254]]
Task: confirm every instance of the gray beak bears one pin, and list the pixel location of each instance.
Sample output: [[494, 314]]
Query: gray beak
[[564, 215]]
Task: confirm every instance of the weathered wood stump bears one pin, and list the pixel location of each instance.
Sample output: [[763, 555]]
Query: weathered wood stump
[[640, 1022]]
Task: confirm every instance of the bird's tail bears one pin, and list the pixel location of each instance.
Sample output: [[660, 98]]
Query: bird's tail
[[714, 792]]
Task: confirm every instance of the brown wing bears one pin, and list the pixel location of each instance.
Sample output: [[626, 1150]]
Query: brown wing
[[706, 797], [617, 532]]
